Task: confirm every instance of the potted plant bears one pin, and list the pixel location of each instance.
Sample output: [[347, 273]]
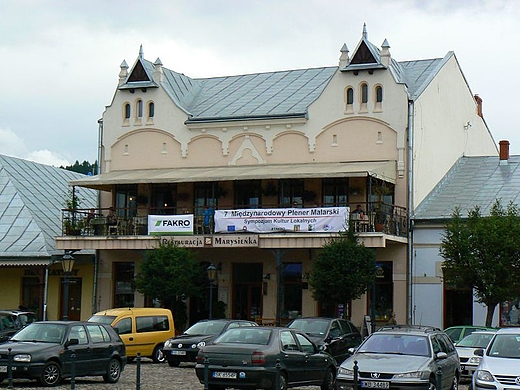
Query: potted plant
[[72, 222], [380, 191]]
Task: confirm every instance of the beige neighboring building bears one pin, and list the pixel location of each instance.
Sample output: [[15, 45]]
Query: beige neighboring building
[[256, 148]]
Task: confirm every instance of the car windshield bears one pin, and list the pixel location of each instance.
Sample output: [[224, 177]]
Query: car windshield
[[206, 328], [396, 344], [505, 346], [251, 335], [475, 340], [312, 327], [107, 320], [41, 332]]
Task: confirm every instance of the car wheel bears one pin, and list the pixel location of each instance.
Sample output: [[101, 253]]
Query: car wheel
[[455, 382], [158, 355], [174, 362], [329, 382], [113, 371], [51, 374], [432, 385], [282, 383]]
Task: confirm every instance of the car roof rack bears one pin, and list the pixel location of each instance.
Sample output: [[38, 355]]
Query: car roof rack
[[424, 328]]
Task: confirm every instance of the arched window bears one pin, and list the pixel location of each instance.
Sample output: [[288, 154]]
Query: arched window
[[350, 96], [364, 93], [379, 94], [127, 111], [139, 108], [151, 109]]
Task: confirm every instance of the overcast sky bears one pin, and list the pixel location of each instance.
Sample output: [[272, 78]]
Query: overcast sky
[[59, 60]]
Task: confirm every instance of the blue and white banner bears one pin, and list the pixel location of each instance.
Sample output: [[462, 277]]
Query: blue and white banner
[[165, 225], [320, 220]]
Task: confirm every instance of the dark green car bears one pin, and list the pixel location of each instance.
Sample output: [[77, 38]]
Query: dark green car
[[247, 358], [457, 333]]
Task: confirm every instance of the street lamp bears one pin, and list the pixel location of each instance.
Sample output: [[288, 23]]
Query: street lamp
[[212, 276], [67, 263]]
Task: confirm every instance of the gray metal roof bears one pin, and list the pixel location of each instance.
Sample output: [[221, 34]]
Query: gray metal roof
[[273, 94], [473, 181], [31, 198]]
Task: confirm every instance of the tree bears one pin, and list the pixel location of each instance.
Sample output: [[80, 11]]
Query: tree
[[171, 274], [85, 167], [343, 270], [483, 253]]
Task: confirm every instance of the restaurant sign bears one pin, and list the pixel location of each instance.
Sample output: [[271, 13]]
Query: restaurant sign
[[164, 225], [319, 219], [248, 240]]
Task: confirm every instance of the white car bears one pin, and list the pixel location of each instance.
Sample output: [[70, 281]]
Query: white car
[[499, 368], [466, 349]]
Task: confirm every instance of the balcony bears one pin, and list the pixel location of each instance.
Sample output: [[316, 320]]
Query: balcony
[[379, 217]]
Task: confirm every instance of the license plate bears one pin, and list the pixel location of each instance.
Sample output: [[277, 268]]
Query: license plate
[[179, 353], [225, 375], [462, 367], [3, 368], [375, 385]]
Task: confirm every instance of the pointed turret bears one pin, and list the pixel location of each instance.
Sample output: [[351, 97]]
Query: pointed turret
[[141, 52], [123, 73], [344, 59], [385, 53], [158, 73]]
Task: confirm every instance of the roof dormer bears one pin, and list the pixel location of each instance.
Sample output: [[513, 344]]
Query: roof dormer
[[141, 75], [366, 56]]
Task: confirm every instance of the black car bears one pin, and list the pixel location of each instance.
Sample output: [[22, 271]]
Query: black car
[[337, 335], [247, 358], [402, 358], [45, 351], [185, 347], [11, 321]]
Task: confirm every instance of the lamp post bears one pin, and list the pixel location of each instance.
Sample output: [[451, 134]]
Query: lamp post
[[67, 263], [212, 276]]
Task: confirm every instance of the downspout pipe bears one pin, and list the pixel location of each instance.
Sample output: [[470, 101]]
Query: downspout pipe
[[410, 216]]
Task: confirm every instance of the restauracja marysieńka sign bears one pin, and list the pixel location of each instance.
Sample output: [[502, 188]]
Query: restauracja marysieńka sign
[[319, 219], [165, 225]]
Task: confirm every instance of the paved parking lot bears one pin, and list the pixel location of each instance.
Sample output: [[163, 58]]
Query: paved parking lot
[[153, 377]]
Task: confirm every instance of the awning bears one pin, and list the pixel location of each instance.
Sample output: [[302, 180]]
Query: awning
[[25, 262], [384, 170]]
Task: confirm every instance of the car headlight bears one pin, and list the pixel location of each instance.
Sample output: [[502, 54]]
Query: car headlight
[[202, 344], [345, 371], [411, 375], [23, 358], [483, 375], [474, 360], [168, 344]]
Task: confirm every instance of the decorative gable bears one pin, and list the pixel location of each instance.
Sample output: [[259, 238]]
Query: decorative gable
[[363, 55], [138, 73]]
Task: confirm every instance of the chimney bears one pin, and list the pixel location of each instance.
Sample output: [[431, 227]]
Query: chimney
[[504, 152], [478, 99]]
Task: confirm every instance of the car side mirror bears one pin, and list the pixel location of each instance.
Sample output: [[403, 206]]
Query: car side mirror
[[479, 352], [71, 342], [441, 355]]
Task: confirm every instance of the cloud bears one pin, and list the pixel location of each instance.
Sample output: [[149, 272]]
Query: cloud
[[12, 145]]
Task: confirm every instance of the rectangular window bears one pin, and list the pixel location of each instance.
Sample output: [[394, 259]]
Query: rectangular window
[[335, 192], [291, 192], [384, 291], [292, 290], [248, 193], [124, 284], [164, 199]]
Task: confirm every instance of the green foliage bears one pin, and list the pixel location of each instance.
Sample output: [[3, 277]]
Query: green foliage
[[85, 167], [343, 270], [171, 274], [483, 253]]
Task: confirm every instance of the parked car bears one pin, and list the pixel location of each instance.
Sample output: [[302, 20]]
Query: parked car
[[143, 329], [185, 347], [466, 349], [337, 335], [499, 367], [457, 333], [13, 320], [402, 357], [246, 358], [43, 351]]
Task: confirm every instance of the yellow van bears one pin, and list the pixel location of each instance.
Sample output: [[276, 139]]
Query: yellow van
[[142, 330]]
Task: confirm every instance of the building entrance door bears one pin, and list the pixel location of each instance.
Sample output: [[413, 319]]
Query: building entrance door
[[458, 304], [247, 291], [74, 313]]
